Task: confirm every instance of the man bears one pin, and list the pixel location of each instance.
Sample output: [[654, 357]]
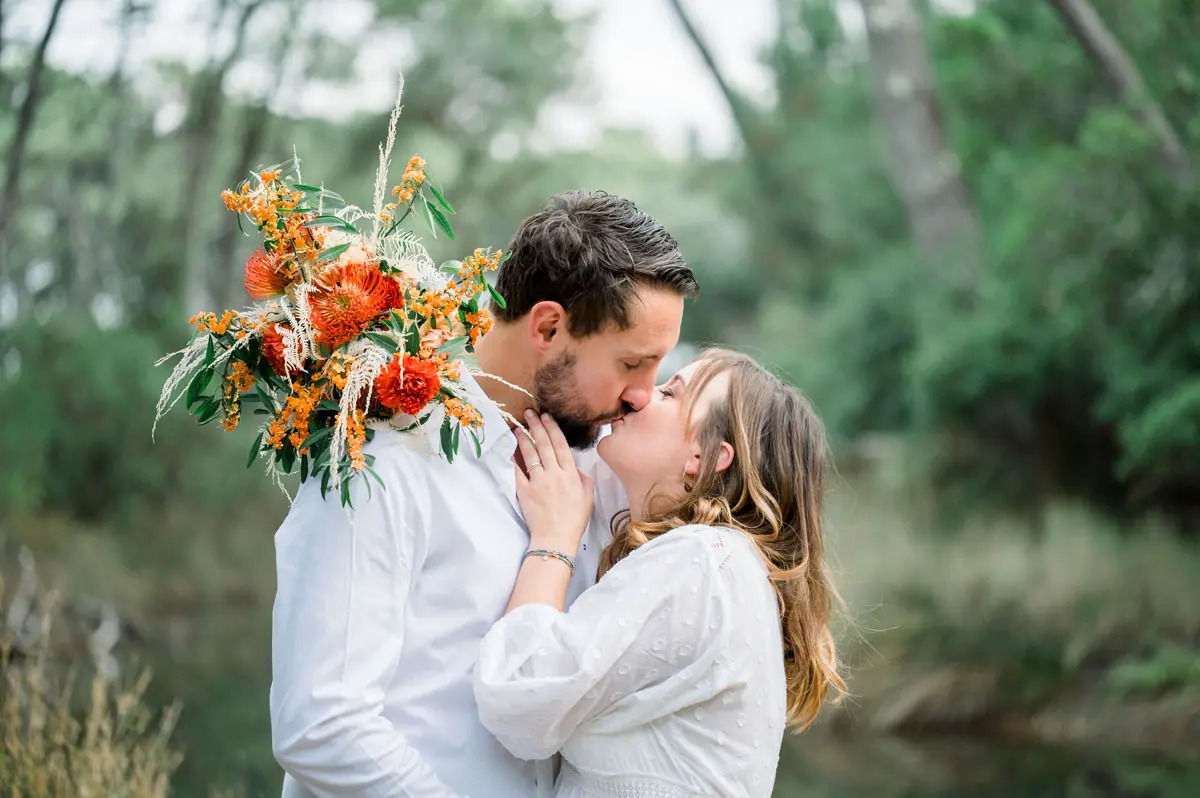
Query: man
[[380, 610]]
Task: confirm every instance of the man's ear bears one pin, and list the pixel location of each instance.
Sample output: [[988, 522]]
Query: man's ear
[[547, 321]]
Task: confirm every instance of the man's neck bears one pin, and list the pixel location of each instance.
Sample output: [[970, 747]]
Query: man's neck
[[500, 354]]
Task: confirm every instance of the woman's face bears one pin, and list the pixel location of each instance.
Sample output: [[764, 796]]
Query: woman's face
[[653, 449]]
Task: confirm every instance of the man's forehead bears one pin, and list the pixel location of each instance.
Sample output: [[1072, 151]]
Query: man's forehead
[[654, 320]]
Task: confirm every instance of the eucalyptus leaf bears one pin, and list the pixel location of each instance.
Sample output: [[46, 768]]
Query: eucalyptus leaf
[[332, 253], [254, 450]]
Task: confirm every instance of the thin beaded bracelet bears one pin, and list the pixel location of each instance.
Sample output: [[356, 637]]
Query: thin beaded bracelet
[[546, 554]]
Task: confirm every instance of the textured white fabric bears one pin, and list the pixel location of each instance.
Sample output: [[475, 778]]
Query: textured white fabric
[[378, 617], [665, 679]]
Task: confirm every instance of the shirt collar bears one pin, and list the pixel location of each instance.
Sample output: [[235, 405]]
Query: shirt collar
[[495, 431]]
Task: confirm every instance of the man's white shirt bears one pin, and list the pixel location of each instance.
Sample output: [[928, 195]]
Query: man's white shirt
[[379, 613]]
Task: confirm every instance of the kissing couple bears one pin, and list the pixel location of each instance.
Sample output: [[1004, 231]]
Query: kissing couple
[[552, 614]]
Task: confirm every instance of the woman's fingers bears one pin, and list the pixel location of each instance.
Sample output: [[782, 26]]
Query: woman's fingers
[[562, 450], [529, 451], [541, 437]]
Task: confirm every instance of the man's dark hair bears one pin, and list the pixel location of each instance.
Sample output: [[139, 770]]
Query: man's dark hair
[[590, 252]]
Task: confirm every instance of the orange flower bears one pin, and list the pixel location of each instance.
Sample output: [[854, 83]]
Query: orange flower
[[266, 278], [356, 436], [408, 384], [295, 416], [466, 415], [392, 296], [479, 324], [272, 349], [208, 322], [348, 300]]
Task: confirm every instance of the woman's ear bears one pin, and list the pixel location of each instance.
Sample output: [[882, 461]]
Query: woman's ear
[[724, 460], [724, 456]]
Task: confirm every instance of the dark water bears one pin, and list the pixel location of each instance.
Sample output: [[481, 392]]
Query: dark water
[[828, 767]]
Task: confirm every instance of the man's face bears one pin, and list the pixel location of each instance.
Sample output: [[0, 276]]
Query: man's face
[[589, 382]]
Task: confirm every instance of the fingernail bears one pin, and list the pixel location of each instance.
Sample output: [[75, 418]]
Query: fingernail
[[546, 417], [529, 414]]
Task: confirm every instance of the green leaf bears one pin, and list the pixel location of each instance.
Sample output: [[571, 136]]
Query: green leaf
[[332, 253], [478, 443], [287, 458], [389, 344], [254, 450], [441, 219], [328, 220], [303, 467], [441, 199], [378, 478], [197, 385], [447, 440], [453, 346], [308, 188], [208, 411], [317, 437], [210, 354], [429, 216], [267, 401], [346, 492], [499, 300], [412, 340], [329, 404], [454, 438], [325, 481]]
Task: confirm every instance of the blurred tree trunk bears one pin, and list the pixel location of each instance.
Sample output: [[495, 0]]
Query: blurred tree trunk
[[200, 132], [774, 188], [25, 116], [1088, 28], [256, 123], [3, 16], [98, 268], [924, 166]]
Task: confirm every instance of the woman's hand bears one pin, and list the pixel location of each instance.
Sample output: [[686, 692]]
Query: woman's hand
[[555, 496]]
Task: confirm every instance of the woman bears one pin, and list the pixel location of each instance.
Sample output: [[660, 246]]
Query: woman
[[708, 630]]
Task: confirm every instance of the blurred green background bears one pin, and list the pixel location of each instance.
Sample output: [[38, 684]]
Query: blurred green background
[[968, 230]]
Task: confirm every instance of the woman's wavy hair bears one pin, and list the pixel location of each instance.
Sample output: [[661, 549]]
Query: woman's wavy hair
[[772, 493]]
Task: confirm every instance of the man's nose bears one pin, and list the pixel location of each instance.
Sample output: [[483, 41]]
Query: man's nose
[[638, 395]]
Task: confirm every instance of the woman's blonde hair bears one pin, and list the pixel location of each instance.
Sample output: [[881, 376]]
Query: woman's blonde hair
[[772, 493]]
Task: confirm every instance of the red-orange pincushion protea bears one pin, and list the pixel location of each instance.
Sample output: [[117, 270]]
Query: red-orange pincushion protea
[[349, 298], [266, 278], [393, 295], [272, 349], [408, 384]]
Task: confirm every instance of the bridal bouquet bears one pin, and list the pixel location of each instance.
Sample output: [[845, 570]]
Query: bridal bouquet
[[352, 326]]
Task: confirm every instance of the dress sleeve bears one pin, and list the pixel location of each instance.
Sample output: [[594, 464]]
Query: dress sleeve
[[541, 673]]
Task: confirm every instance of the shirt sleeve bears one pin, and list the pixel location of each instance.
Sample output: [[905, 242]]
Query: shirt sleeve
[[542, 673], [337, 632]]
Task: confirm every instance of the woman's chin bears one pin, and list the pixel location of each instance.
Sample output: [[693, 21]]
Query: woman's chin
[[609, 447]]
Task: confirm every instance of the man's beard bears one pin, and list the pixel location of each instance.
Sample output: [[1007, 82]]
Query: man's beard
[[554, 392]]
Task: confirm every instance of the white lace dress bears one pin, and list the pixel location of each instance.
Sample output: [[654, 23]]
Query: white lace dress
[[665, 679]]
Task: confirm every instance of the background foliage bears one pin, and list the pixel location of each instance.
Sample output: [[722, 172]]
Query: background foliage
[[974, 243]]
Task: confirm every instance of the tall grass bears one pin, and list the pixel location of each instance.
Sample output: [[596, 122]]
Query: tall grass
[[64, 741]]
